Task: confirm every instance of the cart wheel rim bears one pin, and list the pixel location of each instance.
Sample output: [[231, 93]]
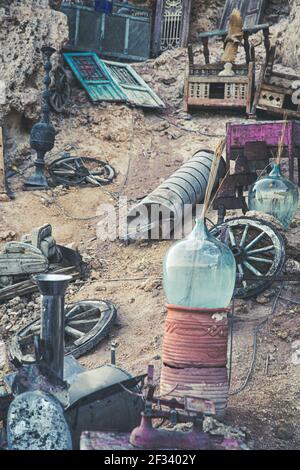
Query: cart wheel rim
[[259, 251]]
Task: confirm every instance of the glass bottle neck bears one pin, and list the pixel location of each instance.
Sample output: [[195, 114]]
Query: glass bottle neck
[[200, 230], [276, 170]]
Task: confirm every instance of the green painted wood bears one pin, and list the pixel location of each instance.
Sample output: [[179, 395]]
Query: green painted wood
[[111, 81], [94, 77], [133, 86]]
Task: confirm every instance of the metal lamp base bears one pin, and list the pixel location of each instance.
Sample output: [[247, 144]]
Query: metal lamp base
[[36, 181]]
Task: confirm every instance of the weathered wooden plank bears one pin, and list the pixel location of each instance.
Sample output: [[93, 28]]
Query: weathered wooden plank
[[216, 79], [185, 26], [157, 27]]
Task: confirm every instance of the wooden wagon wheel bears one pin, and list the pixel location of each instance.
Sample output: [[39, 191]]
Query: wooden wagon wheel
[[86, 324], [259, 251], [72, 171], [60, 91]]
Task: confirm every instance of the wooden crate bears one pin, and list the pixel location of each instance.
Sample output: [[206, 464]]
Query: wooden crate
[[276, 91], [204, 88]]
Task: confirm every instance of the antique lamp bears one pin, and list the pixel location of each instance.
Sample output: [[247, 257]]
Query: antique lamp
[[42, 135]]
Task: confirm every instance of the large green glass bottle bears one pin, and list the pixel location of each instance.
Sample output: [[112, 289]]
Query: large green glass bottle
[[199, 271], [275, 195]]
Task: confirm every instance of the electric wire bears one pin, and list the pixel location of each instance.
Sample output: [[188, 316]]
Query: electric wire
[[254, 345]]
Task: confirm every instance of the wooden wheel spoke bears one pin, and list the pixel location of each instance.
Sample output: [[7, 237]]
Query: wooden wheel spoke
[[232, 237], [255, 241], [73, 332], [260, 260], [82, 322], [266, 249], [244, 236], [31, 330], [252, 269], [85, 314]]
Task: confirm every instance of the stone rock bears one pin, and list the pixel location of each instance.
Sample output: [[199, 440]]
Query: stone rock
[[284, 431], [295, 360], [262, 299], [3, 355], [7, 236], [214, 427]]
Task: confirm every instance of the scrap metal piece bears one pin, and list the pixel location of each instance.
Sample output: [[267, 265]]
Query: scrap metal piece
[[99, 402], [259, 250], [36, 422], [86, 324], [163, 209]]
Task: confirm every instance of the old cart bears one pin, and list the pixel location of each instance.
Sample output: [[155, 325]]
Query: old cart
[[123, 34]]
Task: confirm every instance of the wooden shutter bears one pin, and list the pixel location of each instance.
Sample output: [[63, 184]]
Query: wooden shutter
[[133, 86], [251, 11], [93, 76]]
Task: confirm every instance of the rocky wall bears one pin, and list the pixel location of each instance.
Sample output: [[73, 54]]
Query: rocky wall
[[24, 28]]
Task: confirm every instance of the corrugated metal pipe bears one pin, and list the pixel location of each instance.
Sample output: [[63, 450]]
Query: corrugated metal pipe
[[164, 207]]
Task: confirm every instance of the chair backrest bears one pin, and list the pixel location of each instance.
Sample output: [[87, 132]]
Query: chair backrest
[[251, 11]]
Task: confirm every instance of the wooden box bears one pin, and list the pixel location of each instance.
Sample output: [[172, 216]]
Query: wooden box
[[204, 88], [277, 92]]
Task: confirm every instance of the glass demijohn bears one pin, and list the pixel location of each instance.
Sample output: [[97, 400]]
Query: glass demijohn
[[275, 195], [199, 271]]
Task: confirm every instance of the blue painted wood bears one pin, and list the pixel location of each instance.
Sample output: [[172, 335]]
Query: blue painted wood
[[123, 34]]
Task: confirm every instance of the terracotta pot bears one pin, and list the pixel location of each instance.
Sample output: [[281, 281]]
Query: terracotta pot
[[195, 337]]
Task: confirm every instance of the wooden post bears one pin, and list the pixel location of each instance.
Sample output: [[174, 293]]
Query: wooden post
[[191, 55], [157, 27], [2, 164], [186, 15], [205, 49]]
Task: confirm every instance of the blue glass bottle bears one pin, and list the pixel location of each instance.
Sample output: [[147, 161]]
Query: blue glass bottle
[[275, 195], [199, 271]]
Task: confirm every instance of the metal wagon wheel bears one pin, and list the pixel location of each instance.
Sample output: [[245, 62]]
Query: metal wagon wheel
[[86, 324], [259, 251], [72, 171], [60, 91]]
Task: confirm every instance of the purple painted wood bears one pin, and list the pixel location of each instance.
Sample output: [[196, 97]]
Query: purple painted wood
[[269, 132]]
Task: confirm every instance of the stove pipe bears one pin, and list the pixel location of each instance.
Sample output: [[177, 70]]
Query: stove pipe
[[52, 344]]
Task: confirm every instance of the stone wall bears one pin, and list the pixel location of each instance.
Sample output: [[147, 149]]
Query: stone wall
[[290, 38]]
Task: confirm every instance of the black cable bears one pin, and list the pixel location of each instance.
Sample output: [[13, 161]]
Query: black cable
[[254, 351]]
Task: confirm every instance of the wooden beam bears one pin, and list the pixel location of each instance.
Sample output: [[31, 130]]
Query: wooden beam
[[157, 27], [186, 15]]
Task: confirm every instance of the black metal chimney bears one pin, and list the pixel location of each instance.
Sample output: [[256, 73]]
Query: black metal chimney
[[52, 288]]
